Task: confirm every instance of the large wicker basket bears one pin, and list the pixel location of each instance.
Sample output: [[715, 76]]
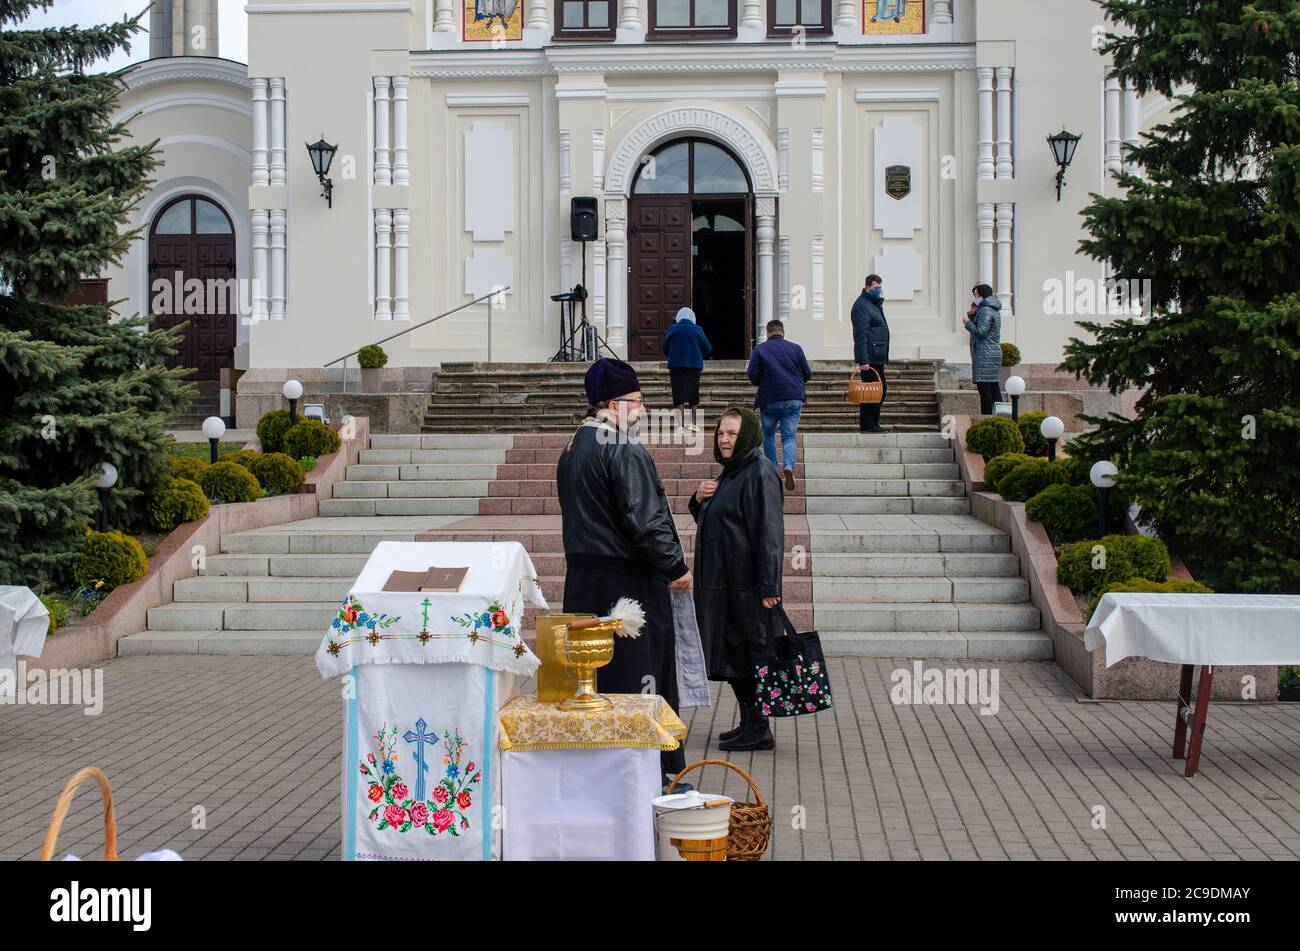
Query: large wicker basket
[[866, 391], [751, 823], [65, 803]]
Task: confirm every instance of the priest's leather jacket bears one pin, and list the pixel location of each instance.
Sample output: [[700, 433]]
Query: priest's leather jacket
[[614, 508]]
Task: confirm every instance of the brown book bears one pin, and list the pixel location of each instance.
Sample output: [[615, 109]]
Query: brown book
[[436, 580]]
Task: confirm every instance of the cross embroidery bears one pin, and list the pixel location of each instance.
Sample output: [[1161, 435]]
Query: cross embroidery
[[419, 738]]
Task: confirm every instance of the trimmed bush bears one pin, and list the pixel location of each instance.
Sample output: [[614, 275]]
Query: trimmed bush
[[1029, 423], [993, 436], [174, 501], [311, 437], [1066, 512], [999, 467], [372, 357], [229, 482], [188, 467], [308, 463], [277, 472], [1010, 355], [271, 429], [58, 609], [1028, 479], [111, 557], [1074, 470], [1089, 565], [1143, 586], [241, 457]]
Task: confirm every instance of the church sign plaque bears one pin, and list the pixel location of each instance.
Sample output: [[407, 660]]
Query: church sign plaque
[[898, 181]]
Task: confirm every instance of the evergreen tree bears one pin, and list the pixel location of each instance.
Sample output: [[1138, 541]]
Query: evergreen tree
[[1213, 221], [75, 390]]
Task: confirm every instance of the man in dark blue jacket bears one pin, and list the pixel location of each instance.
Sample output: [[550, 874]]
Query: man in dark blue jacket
[[686, 346], [871, 347], [779, 369]]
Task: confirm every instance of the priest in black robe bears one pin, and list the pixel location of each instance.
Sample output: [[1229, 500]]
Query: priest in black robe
[[619, 537]]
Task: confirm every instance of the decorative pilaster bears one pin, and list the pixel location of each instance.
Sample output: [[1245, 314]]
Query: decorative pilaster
[[261, 121], [1006, 213], [1132, 121], [598, 287], [783, 159], [402, 264], [401, 152], [616, 271], [537, 29], [764, 277], [940, 12], [818, 160], [565, 149], [751, 25], [630, 27], [277, 131], [444, 18], [383, 159], [598, 159], [783, 277], [846, 26], [278, 230], [985, 168], [985, 218], [261, 270], [818, 275], [1113, 157], [383, 264], [1005, 168]]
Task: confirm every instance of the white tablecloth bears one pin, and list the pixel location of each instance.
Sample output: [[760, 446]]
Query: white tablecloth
[[23, 624], [579, 804], [1218, 629]]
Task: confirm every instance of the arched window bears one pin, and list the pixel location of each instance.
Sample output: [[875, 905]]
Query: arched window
[[193, 215], [690, 167]]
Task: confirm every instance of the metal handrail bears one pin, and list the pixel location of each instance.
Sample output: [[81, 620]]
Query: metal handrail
[[424, 323]]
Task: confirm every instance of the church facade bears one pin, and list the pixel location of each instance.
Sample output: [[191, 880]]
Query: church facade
[[751, 159]]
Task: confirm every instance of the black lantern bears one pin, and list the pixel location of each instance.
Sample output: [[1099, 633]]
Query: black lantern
[[1063, 145], [322, 154]]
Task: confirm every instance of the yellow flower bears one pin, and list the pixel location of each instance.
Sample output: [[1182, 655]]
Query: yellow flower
[[99, 583]]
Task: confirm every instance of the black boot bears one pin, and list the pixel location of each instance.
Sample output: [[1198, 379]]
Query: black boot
[[738, 728], [744, 691], [756, 735]]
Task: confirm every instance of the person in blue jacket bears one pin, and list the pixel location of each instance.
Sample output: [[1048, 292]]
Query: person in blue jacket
[[871, 347], [779, 369], [686, 346]]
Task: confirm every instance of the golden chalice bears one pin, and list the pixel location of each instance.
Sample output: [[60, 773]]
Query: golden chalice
[[585, 646]]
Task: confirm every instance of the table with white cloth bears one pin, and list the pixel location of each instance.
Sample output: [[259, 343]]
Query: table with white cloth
[[24, 622], [424, 678], [578, 785], [1205, 630]]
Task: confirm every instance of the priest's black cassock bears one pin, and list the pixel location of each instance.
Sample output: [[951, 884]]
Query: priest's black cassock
[[620, 541]]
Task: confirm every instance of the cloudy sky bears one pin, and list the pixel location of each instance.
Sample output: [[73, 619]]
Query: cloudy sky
[[232, 43]]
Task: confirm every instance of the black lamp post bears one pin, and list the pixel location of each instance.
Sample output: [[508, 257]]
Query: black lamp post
[[1102, 475], [1052, 429], [322, 154], [1015, 388], [105, 480], [214, 427], [1063, 145], [292, 391]]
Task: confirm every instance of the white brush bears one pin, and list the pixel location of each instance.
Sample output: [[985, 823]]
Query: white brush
[[630, 616]]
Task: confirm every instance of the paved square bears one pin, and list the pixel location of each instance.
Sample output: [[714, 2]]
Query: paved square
[[253, 745]]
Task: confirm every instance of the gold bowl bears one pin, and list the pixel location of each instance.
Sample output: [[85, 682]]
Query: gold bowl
[[585, 647]]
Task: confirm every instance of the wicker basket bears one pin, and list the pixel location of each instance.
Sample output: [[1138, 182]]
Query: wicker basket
[[751, 823], [866, 391], [65, 803]]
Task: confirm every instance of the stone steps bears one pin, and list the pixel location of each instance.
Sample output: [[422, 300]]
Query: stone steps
[[973, 645]]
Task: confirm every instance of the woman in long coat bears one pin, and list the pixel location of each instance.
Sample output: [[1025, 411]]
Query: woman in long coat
[[984, 324], [739, 552]]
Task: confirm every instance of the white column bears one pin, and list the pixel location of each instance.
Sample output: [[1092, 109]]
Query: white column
[[985, 218], [598, 284], [984, 76], [615, 271], [1006, 213], [783, 277], [846, 27], [1004, 166], [383, 263], [630, 27], [783, 159], [277, 131], [383, 160], [940, 11], [1132, 120], [260, 268], [444, 20], [764, 275], [278, 229], [402, 264], [818, 275], [401, 153], [818, 160], [261, 122], [537, 28], [598, 159], [565, 151], [751, 26], [1113, 159]]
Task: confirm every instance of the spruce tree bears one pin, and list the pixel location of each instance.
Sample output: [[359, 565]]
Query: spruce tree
[[75, 390], [1213, 221]]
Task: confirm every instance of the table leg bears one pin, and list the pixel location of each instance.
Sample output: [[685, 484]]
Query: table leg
[[1182, 709], [1198, 721]]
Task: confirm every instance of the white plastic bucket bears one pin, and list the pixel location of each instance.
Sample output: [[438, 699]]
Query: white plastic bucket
[[691, 830]]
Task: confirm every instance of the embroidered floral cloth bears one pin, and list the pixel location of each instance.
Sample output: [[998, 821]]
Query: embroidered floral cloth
[[480, 624], [636, 721]]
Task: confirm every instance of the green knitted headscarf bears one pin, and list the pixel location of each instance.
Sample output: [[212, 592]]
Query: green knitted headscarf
[[749, 438]]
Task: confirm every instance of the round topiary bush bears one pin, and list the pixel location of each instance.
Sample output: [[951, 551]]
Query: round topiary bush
[[110, 557], [993, 436], [241, 457], [174, 501], [999, 467], [1073, 469], [1010, 355], [1067, 512], [372, 357], [1143, 586], [1035, 444], [228, 482], [271, 429], [278, 473], [311, 437], [1088, 565], [188, 467], [1149, 556], [1028, 479]]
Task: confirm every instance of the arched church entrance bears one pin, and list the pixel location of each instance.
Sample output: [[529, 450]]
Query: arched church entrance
[[192, 237], [690, 244]]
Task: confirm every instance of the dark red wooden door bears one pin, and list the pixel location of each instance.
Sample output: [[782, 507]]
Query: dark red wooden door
[[660, 263]]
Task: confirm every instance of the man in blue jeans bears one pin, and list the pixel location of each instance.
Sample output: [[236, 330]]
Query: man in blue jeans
[[779, 369]]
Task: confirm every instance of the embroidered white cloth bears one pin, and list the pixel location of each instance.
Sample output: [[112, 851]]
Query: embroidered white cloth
[[23, 624], [421, 773], [1218, 629], [480, 624]]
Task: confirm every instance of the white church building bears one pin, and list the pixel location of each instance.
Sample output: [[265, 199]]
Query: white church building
[[751, 159]]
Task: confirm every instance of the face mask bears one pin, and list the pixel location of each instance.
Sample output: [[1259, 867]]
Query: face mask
[[875, 291], [976, 299]]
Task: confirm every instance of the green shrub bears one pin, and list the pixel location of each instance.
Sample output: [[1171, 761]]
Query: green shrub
[[1143, 586], [277, 472], [993, 436], [1010, 355], [271, 429], [999, 467], [311, 437], [308, 463], [228, 482], [1029, 424], [1066, 512], [58, 609], [1083, 567], [241, 457], [174, 501], [372, 357], [188, 467], [1028, 479], [111, 557], [1074, 470]]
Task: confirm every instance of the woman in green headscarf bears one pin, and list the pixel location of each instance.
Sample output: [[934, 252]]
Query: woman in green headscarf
[[739, 551]]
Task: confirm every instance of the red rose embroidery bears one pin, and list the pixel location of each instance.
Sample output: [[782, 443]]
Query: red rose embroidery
[[395, 815], [375, 793], [419, 814], [499, 619], [401, 792], [440, 794], [442, 820], [462, 799], [470, 767]]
